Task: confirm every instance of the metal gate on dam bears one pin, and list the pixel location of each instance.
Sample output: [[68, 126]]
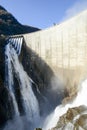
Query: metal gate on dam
[[64, 48]]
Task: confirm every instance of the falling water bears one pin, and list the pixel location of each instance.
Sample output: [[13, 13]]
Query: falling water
[[81, 99], [29, 101], [9, 79]]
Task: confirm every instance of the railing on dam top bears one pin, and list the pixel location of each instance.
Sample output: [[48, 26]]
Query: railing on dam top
[[16, 42]]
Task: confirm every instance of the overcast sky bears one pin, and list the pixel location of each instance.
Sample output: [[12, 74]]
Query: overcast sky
[[43, 13]]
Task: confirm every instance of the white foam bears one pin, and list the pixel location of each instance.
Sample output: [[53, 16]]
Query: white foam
[[81, 99]]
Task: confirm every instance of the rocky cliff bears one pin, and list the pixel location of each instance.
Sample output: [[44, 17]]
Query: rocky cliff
[[5, 107], [39, 72], [73, 119], [36, 68], [43, 77], [10, 26]]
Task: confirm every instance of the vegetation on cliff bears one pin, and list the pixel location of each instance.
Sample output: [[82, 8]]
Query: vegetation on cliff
[[10, 26], [36, 68]]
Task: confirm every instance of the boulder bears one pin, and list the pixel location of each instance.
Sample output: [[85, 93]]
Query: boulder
[[73, 119]]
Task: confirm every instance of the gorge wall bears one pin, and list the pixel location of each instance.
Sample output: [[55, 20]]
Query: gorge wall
[[38, 73], [58, 51]]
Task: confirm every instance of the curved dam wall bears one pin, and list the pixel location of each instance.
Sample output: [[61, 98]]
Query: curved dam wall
[[64, 48]]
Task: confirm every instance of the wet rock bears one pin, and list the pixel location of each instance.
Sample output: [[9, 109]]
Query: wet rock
[[2, 61], [82, 121], [6, 108], [42, 75], [73, 119], [39, 72], [5, 99]]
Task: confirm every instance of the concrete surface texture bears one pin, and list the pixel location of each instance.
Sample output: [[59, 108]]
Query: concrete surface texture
[[64, 48]]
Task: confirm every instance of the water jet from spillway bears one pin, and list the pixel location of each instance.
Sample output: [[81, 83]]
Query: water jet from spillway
[[28, 99]]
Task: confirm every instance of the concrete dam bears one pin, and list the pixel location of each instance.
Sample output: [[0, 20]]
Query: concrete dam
[[64, 48]]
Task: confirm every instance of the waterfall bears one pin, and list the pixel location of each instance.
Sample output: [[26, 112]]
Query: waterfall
[[53, 118], [29, 100], [9, 79]]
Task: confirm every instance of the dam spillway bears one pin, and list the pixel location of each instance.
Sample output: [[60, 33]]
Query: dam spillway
[[16, 43], [22, 99], [63, 47]]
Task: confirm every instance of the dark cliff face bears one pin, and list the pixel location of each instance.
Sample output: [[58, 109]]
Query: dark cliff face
[[10, 26], [35, 67], [5, 107], [42, 75], [39, 72]]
